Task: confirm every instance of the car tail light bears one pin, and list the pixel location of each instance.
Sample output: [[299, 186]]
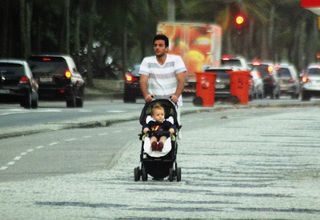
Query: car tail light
[[68, 74], [270, 69], [24, 80], [46, 59], [305, 79], [130, 78]]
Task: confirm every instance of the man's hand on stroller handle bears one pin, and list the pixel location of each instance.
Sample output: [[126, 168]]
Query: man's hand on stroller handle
[[148, 98], [174, 98]]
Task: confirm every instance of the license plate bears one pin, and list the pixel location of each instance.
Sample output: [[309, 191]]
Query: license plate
[[220, 86], [4, 91], [45, 79]]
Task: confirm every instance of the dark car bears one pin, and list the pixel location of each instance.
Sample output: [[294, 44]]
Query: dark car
[[289, 81], [271, 85], [131, 84], [17, 83], [58, 78]]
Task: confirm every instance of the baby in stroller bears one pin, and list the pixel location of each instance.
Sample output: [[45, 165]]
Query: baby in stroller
[[159, 146], [158, 127]]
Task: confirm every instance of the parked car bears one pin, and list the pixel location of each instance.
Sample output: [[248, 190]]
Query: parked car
[[288, 79], [271, 85], [17, 83], [131, 84], [311, 82], [58, 78], [234, 62]]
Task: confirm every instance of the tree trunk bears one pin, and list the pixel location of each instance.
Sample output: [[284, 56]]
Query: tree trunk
[[77, 33], [23, 28], [264, 47], [4, 35], [67, 36], [90, 42], [124, 36], [28, 27], [300, 56], [270, 32]]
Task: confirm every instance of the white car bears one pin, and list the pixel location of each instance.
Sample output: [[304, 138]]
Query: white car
[[288, 79], [311, 82]]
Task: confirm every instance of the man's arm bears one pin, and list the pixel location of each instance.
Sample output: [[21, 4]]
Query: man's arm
[[144, 87], [180, 86]]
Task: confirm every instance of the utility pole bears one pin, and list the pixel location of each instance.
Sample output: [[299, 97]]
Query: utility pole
[[171, 10]]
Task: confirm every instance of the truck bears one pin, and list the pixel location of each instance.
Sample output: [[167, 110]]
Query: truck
[[199, 45]]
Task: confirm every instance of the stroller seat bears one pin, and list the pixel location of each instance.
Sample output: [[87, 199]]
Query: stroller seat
[[165, 150]]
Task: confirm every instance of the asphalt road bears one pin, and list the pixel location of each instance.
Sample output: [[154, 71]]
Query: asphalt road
[[239, 163]]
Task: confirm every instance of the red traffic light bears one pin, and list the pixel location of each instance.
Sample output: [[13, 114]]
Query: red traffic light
[[239, 20]]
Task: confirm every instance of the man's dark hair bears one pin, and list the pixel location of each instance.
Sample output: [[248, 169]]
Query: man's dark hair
[[162, 37]]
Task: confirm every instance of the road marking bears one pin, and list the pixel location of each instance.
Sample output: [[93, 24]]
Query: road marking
[[24, 153], [103, 134], [39, 147], [53, 143], [87, 136], [30, 150], [115, 111], [17, 158], [11, 163], [3, 168], [71, 139]]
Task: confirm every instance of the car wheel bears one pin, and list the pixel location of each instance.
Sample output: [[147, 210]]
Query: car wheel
[[35, 100], [79, 102], [197, 101], [305, 96], [129, 97], [27, 101]]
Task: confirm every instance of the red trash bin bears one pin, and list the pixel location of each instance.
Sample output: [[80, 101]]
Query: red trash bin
[[240, 85], [205, 89]]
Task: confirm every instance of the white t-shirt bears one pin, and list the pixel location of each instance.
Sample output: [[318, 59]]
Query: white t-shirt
[[162, 78]]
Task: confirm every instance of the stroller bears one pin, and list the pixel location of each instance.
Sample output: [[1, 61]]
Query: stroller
[[159, 164]]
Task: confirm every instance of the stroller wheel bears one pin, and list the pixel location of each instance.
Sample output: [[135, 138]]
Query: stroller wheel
[[171, 174], [178, 174], [137, 173], [144, 174]]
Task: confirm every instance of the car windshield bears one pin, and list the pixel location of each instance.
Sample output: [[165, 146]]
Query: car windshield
[[11, 69], [284, 73], [314, 71], [48, 65], [135, 70], [220, 74], [230, 62]]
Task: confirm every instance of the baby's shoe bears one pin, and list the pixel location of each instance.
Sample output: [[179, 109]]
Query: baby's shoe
[[160, 146], [154, 146]]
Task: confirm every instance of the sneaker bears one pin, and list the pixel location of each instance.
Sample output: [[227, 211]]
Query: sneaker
[[160, 146], [154, 146]]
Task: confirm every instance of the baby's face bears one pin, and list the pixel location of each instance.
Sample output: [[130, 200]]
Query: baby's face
[[158, 115]]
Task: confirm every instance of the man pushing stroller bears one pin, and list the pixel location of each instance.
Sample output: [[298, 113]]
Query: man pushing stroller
[[162, 75]]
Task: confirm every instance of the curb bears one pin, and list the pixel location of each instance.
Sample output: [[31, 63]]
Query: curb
[[105, 122]]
